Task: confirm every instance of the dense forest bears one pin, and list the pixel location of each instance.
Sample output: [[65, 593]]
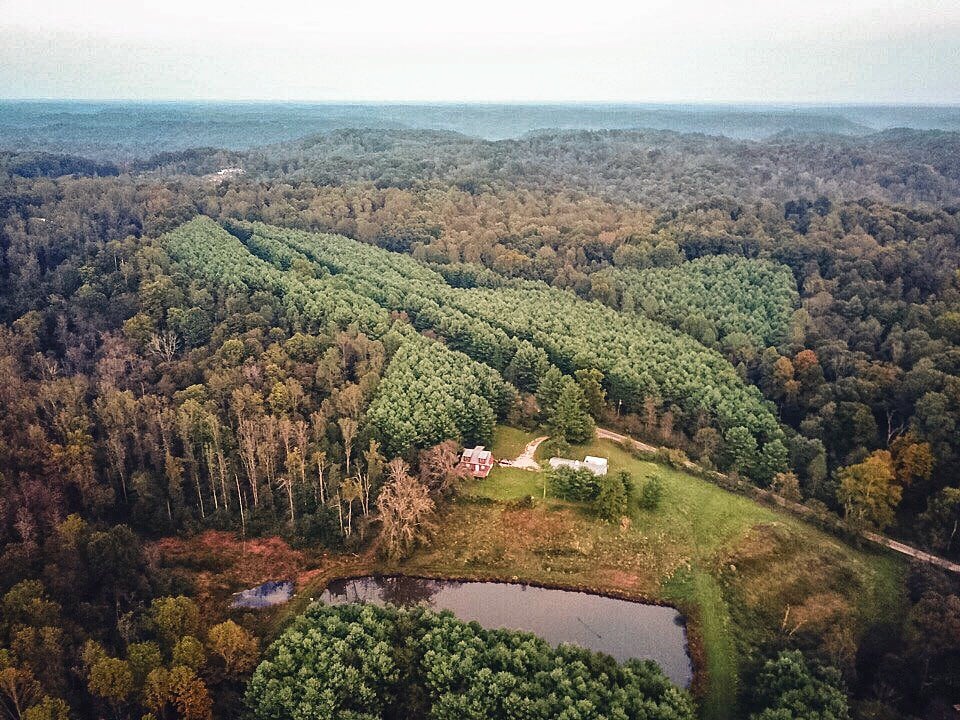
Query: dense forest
[[366, 662], [660, 170], [300, 348]]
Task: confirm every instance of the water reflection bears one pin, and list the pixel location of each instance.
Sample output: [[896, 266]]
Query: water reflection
[[270, 593], [619, 628]]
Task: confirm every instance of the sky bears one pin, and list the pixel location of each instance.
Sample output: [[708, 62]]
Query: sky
[[727, 51]]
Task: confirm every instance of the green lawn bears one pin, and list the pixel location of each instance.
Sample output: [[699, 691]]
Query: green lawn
[[732, 565], [698, 589], [694, 514], [506, 483], [508, 442]]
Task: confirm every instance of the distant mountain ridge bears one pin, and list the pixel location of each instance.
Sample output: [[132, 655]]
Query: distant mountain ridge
[[122, 131]]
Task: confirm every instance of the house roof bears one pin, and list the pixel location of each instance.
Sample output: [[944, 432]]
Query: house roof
[[477, 454]]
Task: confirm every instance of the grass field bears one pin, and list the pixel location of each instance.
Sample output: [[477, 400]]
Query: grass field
[[741, 572], [506, 483], [508, 442]]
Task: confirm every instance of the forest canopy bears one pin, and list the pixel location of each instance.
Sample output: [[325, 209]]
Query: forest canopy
[[713, 297], [241, 341], [361, 661]]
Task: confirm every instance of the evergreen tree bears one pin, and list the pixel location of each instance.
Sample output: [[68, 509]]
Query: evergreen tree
[[611, 502], [527, 366], [740, 449], [591, 382], [651, 493], [568, 417], [549, 390]]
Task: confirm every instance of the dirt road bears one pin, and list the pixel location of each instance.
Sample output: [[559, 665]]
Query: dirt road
[[605, 434], [913, 552], [525, 460], [802, 510]]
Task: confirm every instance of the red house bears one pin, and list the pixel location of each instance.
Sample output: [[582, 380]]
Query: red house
[[477, 461]]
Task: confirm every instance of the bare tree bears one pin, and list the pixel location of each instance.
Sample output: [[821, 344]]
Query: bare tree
[[348, 428], [286, 482], [248, 435], [210, 457], [397, 468], [350, 492], [349, 400], [243, 519], [268, 449], [405, 508], [374, 472], [439, 467], [186, 428], [320, 459], [164, 344], [117, 412], [221, 468], [154, 430]]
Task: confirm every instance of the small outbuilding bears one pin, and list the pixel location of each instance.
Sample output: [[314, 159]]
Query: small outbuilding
[[596, 465], [478, 461]]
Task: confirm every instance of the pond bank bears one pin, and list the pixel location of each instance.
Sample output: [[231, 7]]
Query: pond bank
[[622, 628]]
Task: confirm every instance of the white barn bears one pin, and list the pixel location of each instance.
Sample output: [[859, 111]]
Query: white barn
[[596, 465]]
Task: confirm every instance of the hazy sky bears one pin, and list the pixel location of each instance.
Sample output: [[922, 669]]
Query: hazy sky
[[450, 50]]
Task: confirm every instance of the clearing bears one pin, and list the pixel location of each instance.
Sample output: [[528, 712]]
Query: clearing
[[741, 573], [516, 446]]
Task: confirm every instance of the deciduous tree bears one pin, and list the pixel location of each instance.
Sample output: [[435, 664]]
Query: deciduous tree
[[405, 508], [236, 647], [869, 491]]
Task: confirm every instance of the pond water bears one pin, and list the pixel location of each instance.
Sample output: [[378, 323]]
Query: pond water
[[270, 593], [620, 628]]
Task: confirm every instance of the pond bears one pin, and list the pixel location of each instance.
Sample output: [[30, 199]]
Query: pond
[[270, 593], [620, 628]]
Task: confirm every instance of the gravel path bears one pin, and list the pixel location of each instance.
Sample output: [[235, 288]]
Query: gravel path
[[525, 460]]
